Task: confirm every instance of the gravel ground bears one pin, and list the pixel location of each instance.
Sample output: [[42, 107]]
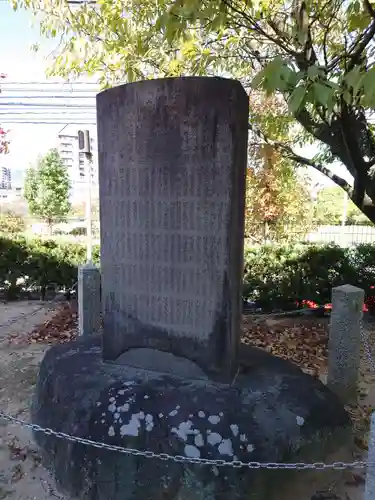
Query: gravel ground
[[21, 475]]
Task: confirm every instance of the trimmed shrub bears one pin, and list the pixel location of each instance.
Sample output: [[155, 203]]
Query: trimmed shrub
[[281, 276], [39, 263], [275, 276]]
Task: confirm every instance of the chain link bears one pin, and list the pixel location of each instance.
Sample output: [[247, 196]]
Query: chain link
[[237, 464]]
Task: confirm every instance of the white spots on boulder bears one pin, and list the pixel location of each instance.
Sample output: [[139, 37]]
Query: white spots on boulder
[[243, 438], [111, 431], [149, 419], [226, 448], [198, 440], [214, 419], [235, 429], [112, 408], [124, 407], [201, 414], [184, 430], [132, 428], [173, 413], [192, 451], [300, 421], [250, 448], [213, 438]]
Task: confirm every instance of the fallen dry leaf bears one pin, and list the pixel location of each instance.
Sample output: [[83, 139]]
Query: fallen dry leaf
[[60, 329], [304, 343]]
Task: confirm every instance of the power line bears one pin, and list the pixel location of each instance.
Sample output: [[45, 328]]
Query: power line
[[67, 91], [73, 122], [48, 105], [75, 116], [47, 97], [41, 112], [5, 82]]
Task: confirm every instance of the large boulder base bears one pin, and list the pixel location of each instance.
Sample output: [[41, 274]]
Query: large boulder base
[[273, 412]]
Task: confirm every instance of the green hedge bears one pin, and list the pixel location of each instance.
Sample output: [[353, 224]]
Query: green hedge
[[274, 276], [280, 276], [39, 263]]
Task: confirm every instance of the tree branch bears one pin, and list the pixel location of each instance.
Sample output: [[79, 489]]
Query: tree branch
[[257, 28], [287, 150]]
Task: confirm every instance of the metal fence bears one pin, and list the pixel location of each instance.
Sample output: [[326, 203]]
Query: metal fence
[[340, 235]]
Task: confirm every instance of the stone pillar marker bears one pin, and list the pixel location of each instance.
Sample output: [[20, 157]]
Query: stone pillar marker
[[345, 341], [172, 167], [89, 301]]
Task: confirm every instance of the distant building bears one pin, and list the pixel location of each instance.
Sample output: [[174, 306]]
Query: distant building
[[5, 178], [74, 160]]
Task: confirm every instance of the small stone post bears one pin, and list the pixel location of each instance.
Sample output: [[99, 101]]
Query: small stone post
[[345, 341], [89, 300], [370, 472]]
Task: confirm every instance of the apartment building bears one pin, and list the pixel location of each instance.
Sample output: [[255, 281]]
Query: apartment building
[[74, 160], [5, 178]]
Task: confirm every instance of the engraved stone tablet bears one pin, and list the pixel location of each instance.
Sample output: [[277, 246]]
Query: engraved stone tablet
[[172, 163]]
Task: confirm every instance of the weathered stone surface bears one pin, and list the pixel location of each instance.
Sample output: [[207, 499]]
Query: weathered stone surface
[[345, 341], [172, 162], [273, 412], [89, 303]]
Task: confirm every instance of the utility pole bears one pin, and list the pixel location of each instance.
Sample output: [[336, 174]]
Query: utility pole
[[85, 147]]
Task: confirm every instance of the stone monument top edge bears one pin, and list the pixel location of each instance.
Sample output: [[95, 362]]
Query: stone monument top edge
[[216, 80]]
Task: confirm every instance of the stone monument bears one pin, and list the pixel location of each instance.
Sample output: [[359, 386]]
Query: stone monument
[[169, 374]]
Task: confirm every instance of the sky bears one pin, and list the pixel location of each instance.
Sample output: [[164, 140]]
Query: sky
[[21, 64]]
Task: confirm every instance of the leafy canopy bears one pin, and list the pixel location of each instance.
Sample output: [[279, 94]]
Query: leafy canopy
[[316, 55], [47, 189]]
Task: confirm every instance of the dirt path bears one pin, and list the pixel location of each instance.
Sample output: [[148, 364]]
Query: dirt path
[[21, 475]]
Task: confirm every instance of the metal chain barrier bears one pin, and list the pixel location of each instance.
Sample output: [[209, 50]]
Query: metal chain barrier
[[237, 464]]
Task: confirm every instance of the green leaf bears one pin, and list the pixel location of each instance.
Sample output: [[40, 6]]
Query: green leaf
[[323, 94], [296, 99], [313, 72]]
